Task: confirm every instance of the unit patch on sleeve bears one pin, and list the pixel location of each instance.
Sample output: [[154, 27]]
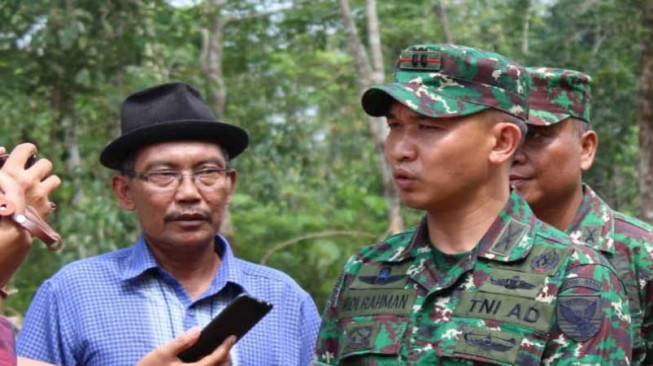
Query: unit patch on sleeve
[[579, 316], [581, 282]]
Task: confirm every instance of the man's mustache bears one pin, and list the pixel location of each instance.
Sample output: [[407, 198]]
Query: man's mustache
[[188, 215]]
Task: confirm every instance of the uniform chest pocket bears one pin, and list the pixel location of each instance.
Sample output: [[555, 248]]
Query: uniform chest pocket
[[377, 341]]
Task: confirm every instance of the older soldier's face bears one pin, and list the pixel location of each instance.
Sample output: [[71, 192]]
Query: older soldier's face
[[437, 162], [178, 212], [549, 166]]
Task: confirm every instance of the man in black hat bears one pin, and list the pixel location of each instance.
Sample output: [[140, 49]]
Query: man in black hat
[[113, 309]]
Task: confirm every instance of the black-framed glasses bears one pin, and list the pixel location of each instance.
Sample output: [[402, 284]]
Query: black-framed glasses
[[169, 180]]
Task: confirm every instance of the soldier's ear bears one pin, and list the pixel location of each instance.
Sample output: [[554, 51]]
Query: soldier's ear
[[589, 143], [122, 190], [506, 139]]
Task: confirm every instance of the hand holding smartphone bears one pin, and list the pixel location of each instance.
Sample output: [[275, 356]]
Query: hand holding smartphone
[[236, 319]]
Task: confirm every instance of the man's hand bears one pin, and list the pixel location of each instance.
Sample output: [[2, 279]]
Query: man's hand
[[14, 241], [37, 181], [22, 187], [167, 354]]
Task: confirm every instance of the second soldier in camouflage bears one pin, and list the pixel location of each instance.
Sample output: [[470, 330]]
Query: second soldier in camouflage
[[548, 170]]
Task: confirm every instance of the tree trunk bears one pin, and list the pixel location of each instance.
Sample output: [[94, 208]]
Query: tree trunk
[[212, 67], [441, 14], [64, 103], [646, 115], [374, 38], [367, 76], [212, 64], [526, 27]]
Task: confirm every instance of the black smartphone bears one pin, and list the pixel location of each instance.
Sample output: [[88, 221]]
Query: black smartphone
[[236, 319]]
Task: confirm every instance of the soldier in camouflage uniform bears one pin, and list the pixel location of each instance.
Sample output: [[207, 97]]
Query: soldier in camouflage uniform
[[480, 281], [548, 173]]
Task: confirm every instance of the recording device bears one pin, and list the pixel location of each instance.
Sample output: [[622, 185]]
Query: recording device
[[32, 159], [236, 319]]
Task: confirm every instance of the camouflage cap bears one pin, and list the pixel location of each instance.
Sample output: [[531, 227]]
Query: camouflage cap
[[446, 80], [557, 94]]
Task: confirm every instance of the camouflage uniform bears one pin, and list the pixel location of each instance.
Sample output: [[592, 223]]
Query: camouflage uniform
[[524, 295], [626, 242]]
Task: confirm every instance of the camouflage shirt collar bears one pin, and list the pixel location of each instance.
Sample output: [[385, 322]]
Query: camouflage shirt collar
[[509, 238], [594, 223]]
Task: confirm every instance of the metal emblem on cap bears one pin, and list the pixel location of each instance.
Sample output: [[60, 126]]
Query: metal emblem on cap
[[420, 59]]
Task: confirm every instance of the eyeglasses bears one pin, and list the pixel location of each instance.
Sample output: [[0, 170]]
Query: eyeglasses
[[169, 180]]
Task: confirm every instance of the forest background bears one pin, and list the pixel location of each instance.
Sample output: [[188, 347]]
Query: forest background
[[313, 186]]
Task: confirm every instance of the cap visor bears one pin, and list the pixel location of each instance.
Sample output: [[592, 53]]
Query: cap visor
[[377, 100], [541, 117]]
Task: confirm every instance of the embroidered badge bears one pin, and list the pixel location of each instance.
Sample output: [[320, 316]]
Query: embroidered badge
[[581, 282], [545, 261], [591, 234], [511, 309], [359, 337], [384, 277], [489, 342], [376, 302], [579, 316], [420, 59], [509, 237], [387, 276], [512, 283]]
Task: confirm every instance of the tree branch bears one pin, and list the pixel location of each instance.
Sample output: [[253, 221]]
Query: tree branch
[[323, 234]]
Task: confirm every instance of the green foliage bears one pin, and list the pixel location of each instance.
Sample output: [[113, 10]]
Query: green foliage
[[310, 171]]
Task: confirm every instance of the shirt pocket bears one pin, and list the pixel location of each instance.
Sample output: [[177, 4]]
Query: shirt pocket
[[374, 342]]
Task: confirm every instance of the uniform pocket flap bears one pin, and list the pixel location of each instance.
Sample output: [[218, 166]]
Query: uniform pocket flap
[[380, 337]]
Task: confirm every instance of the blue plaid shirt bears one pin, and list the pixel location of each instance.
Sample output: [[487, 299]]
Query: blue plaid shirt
[[115, 308]]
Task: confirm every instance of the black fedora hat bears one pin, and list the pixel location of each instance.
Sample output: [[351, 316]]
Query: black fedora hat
[[169, 112]]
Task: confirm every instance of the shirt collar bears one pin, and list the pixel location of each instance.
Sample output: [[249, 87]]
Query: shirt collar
[[511, 235], [509, 238], [229, 270], [139, 260], [594, 223], [142, 260]]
